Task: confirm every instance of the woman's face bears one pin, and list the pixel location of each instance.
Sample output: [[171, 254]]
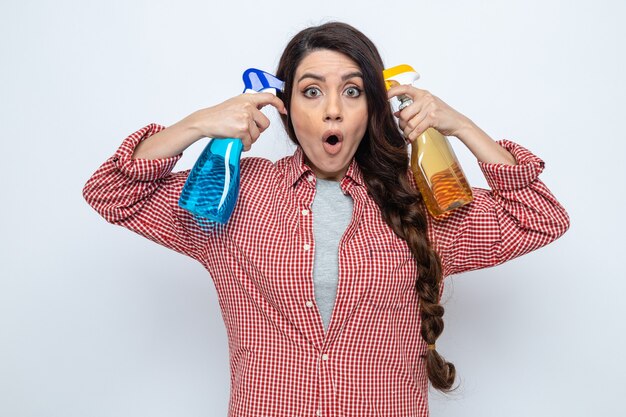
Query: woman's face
[[328, 111]]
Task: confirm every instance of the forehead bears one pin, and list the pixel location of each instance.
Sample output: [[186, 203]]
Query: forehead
[[326, 61]]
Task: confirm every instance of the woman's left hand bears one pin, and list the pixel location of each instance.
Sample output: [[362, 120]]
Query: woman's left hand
[[426, 111]]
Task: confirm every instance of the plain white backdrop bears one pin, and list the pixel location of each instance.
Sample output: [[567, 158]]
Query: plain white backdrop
[[97, 321]]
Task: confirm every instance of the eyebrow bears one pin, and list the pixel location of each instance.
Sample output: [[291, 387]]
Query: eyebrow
[[320, 78]]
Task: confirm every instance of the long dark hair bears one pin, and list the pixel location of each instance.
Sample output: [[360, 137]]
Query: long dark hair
[[383, 159]]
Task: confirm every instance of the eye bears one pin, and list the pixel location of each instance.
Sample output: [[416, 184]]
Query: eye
[[353, 91], [312, 92]]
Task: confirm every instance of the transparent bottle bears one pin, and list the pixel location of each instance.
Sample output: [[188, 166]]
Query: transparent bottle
[[436, 169], [212, 187]]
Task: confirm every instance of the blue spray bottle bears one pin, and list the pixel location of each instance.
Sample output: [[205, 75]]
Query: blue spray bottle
[[212, 186]]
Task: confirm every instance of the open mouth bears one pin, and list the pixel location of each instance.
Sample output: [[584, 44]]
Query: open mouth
[[332, 137], [332, 141]]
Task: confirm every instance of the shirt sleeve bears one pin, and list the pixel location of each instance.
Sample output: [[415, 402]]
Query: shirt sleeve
[[518, 215], [142, 195]]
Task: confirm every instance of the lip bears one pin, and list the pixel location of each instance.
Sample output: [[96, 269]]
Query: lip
[[332, 132], [332, 149]]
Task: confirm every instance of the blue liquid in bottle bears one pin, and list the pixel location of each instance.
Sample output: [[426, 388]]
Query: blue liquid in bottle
[[214, 196], [212, 187]]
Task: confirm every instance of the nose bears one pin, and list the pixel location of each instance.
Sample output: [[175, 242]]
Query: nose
[[333, 111]]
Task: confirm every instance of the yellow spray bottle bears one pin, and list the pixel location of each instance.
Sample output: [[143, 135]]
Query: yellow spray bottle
[[436, 169]]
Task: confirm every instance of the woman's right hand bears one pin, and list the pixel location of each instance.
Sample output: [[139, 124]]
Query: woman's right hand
[[238, 117]]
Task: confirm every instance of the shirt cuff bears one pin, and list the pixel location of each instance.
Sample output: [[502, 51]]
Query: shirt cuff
[[142, 169], [513, 177]]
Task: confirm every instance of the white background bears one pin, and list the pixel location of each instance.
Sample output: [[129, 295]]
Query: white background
[[97, 321]]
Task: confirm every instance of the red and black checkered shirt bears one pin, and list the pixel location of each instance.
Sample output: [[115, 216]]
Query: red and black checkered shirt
[[282, 362]]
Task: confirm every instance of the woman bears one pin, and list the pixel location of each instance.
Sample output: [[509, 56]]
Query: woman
[[330, 270]]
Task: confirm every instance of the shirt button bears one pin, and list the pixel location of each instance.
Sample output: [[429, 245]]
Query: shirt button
[[306, 246], [318, 413], [305, 212], [325, 357], [309, 303], [310, 178]]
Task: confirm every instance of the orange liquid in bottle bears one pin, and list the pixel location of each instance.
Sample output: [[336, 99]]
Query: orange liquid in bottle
[[438, 174]]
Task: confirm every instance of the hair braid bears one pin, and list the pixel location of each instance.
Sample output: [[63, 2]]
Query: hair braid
[[401, 207]]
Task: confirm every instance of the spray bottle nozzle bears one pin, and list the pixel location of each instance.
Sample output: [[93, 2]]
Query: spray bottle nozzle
[[400, 74], [255, 81]]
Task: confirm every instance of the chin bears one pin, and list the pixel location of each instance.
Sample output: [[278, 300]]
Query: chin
[[335, 173]]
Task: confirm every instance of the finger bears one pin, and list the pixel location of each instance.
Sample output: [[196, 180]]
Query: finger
[[414, 123], [405, 115], [244, 134], [254, 132], [247, 143], [261, 121], [417, 132], [405, 89], [409, 112], [263, 99], [411, 115]]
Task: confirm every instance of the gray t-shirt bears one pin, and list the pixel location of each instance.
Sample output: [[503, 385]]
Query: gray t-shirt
[[332, 211]]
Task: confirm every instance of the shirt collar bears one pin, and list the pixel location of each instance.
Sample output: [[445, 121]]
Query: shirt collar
[[297, 169]]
